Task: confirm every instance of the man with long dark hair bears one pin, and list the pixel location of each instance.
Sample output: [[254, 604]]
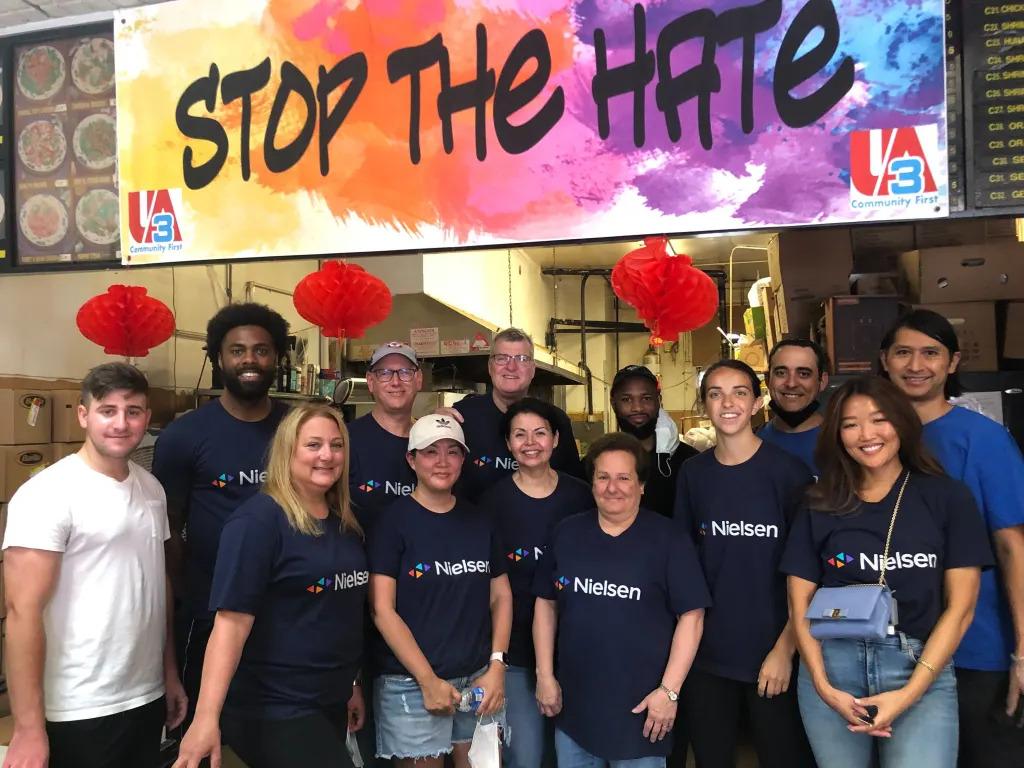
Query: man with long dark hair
[[920, 355], [212, 459]]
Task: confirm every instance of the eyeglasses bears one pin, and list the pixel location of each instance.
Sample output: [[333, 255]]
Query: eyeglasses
[[386, 374], [503, 359]]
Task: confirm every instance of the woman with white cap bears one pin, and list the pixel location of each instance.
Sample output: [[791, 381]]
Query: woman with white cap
[[441, 600]]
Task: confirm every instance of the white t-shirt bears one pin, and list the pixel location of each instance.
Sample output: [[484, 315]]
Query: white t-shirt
[[106, 623]]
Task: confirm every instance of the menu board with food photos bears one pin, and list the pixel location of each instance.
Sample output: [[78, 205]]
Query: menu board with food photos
[[65, 174]]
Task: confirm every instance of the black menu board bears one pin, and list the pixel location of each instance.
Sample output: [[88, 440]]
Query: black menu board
[[65, 158], [954, 105], [993, 67]]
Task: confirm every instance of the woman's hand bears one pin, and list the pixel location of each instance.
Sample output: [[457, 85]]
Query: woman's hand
[[356, 709], [854, 713], [549, 695], [493, 683], [891, 705], [201, 740], [775, 673], [440, 696], [661, 714]]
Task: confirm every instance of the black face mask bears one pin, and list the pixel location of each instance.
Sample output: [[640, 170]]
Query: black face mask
[[641, 432], [794, 419]]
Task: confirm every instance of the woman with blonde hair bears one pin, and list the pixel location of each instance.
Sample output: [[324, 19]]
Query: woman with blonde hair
[[289, 589]]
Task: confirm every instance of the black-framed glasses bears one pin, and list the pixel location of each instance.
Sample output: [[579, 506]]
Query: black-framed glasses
[[386, 374], [503, 359]]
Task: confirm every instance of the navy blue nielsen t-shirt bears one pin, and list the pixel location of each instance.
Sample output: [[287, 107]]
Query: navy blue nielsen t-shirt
[[307, 595], [938, 527], [800, 444], [489, 459], [619, 599], [524, 526], [739, 517], [209, 463], [442, 564], [378, 470]]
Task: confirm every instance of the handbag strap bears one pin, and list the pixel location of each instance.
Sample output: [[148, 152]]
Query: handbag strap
[[892, 524]]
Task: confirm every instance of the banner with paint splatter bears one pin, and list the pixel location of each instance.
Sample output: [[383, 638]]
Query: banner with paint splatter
[[300, 127]]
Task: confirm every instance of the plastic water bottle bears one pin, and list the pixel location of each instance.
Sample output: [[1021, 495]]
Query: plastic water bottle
[[471, 699]]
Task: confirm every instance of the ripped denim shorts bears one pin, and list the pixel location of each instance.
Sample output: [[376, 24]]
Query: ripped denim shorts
[[405, 729]]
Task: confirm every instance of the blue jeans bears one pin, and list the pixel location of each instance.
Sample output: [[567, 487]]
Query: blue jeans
[[572, 755], [529, 731], [924, 735]]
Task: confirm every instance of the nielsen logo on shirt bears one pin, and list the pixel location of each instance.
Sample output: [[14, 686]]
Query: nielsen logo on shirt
[[498, 461], [391, 488], [448, 568], [589, 586], [245, 477], [525, 553], [899, 560], [340, 581], [742, 528]]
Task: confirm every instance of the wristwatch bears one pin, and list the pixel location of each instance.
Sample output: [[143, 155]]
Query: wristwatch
[[672, 695], [500, 656]]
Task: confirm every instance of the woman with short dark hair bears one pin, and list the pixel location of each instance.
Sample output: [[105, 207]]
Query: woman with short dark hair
[[622, 589], [881, 492]]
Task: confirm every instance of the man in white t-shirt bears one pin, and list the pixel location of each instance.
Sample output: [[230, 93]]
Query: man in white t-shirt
[[87, 597]]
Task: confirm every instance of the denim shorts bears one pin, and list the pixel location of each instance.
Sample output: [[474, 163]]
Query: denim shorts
[[405, 729]]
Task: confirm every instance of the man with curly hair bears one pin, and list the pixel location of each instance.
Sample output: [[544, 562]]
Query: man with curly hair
[[212, 459]]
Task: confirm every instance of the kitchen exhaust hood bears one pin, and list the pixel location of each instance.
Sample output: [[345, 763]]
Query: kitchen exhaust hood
[[467, 297]]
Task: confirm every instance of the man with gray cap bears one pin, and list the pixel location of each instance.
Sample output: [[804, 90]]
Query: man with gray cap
[[378, 472]]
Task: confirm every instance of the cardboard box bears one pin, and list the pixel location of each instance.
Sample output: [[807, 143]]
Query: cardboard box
[[811, 263], [755, 355], [796, 316], [975, 326], [3, 528], [18, 463], [989, 272], [1013, 337], [66, 428], [753, 322], [854, 328], [25, 416], [60, 450]]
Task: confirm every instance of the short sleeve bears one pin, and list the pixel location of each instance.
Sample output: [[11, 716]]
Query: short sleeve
[[682, 512], [966, 540], [37, 518], [800, 478], [172, 466], [245, 564], [385, 546], [686, 587], [1001, 477], [801, 557], [498, 565], [544, 575]]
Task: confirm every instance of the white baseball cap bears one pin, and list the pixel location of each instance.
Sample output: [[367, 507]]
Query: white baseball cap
[[429, 429]]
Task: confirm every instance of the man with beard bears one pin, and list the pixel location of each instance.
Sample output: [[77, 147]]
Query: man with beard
[[636, 401], [796, 376], [212, 459]]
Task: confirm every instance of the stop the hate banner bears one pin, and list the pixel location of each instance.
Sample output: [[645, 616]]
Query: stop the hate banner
[[288, 127]]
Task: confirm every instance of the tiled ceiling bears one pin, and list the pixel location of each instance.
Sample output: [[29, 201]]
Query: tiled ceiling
[[14, 13]]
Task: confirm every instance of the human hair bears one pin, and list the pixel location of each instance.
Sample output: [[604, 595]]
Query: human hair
[[934, 326], [279, 485], [735, 365], [546, 411], [235, 315], [112, 377], [617, 441], [512, 335], [841, 475], [815, 347]]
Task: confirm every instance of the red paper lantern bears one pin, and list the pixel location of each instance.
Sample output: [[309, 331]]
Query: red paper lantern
[[125, 321], [668, 292], [342, 299]]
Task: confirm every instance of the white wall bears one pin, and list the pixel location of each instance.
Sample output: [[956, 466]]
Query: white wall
[[40, 338]]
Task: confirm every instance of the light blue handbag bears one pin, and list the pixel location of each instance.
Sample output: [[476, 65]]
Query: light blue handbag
[[857, 611]]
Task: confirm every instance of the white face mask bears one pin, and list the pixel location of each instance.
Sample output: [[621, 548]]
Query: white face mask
[[666, 434]]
